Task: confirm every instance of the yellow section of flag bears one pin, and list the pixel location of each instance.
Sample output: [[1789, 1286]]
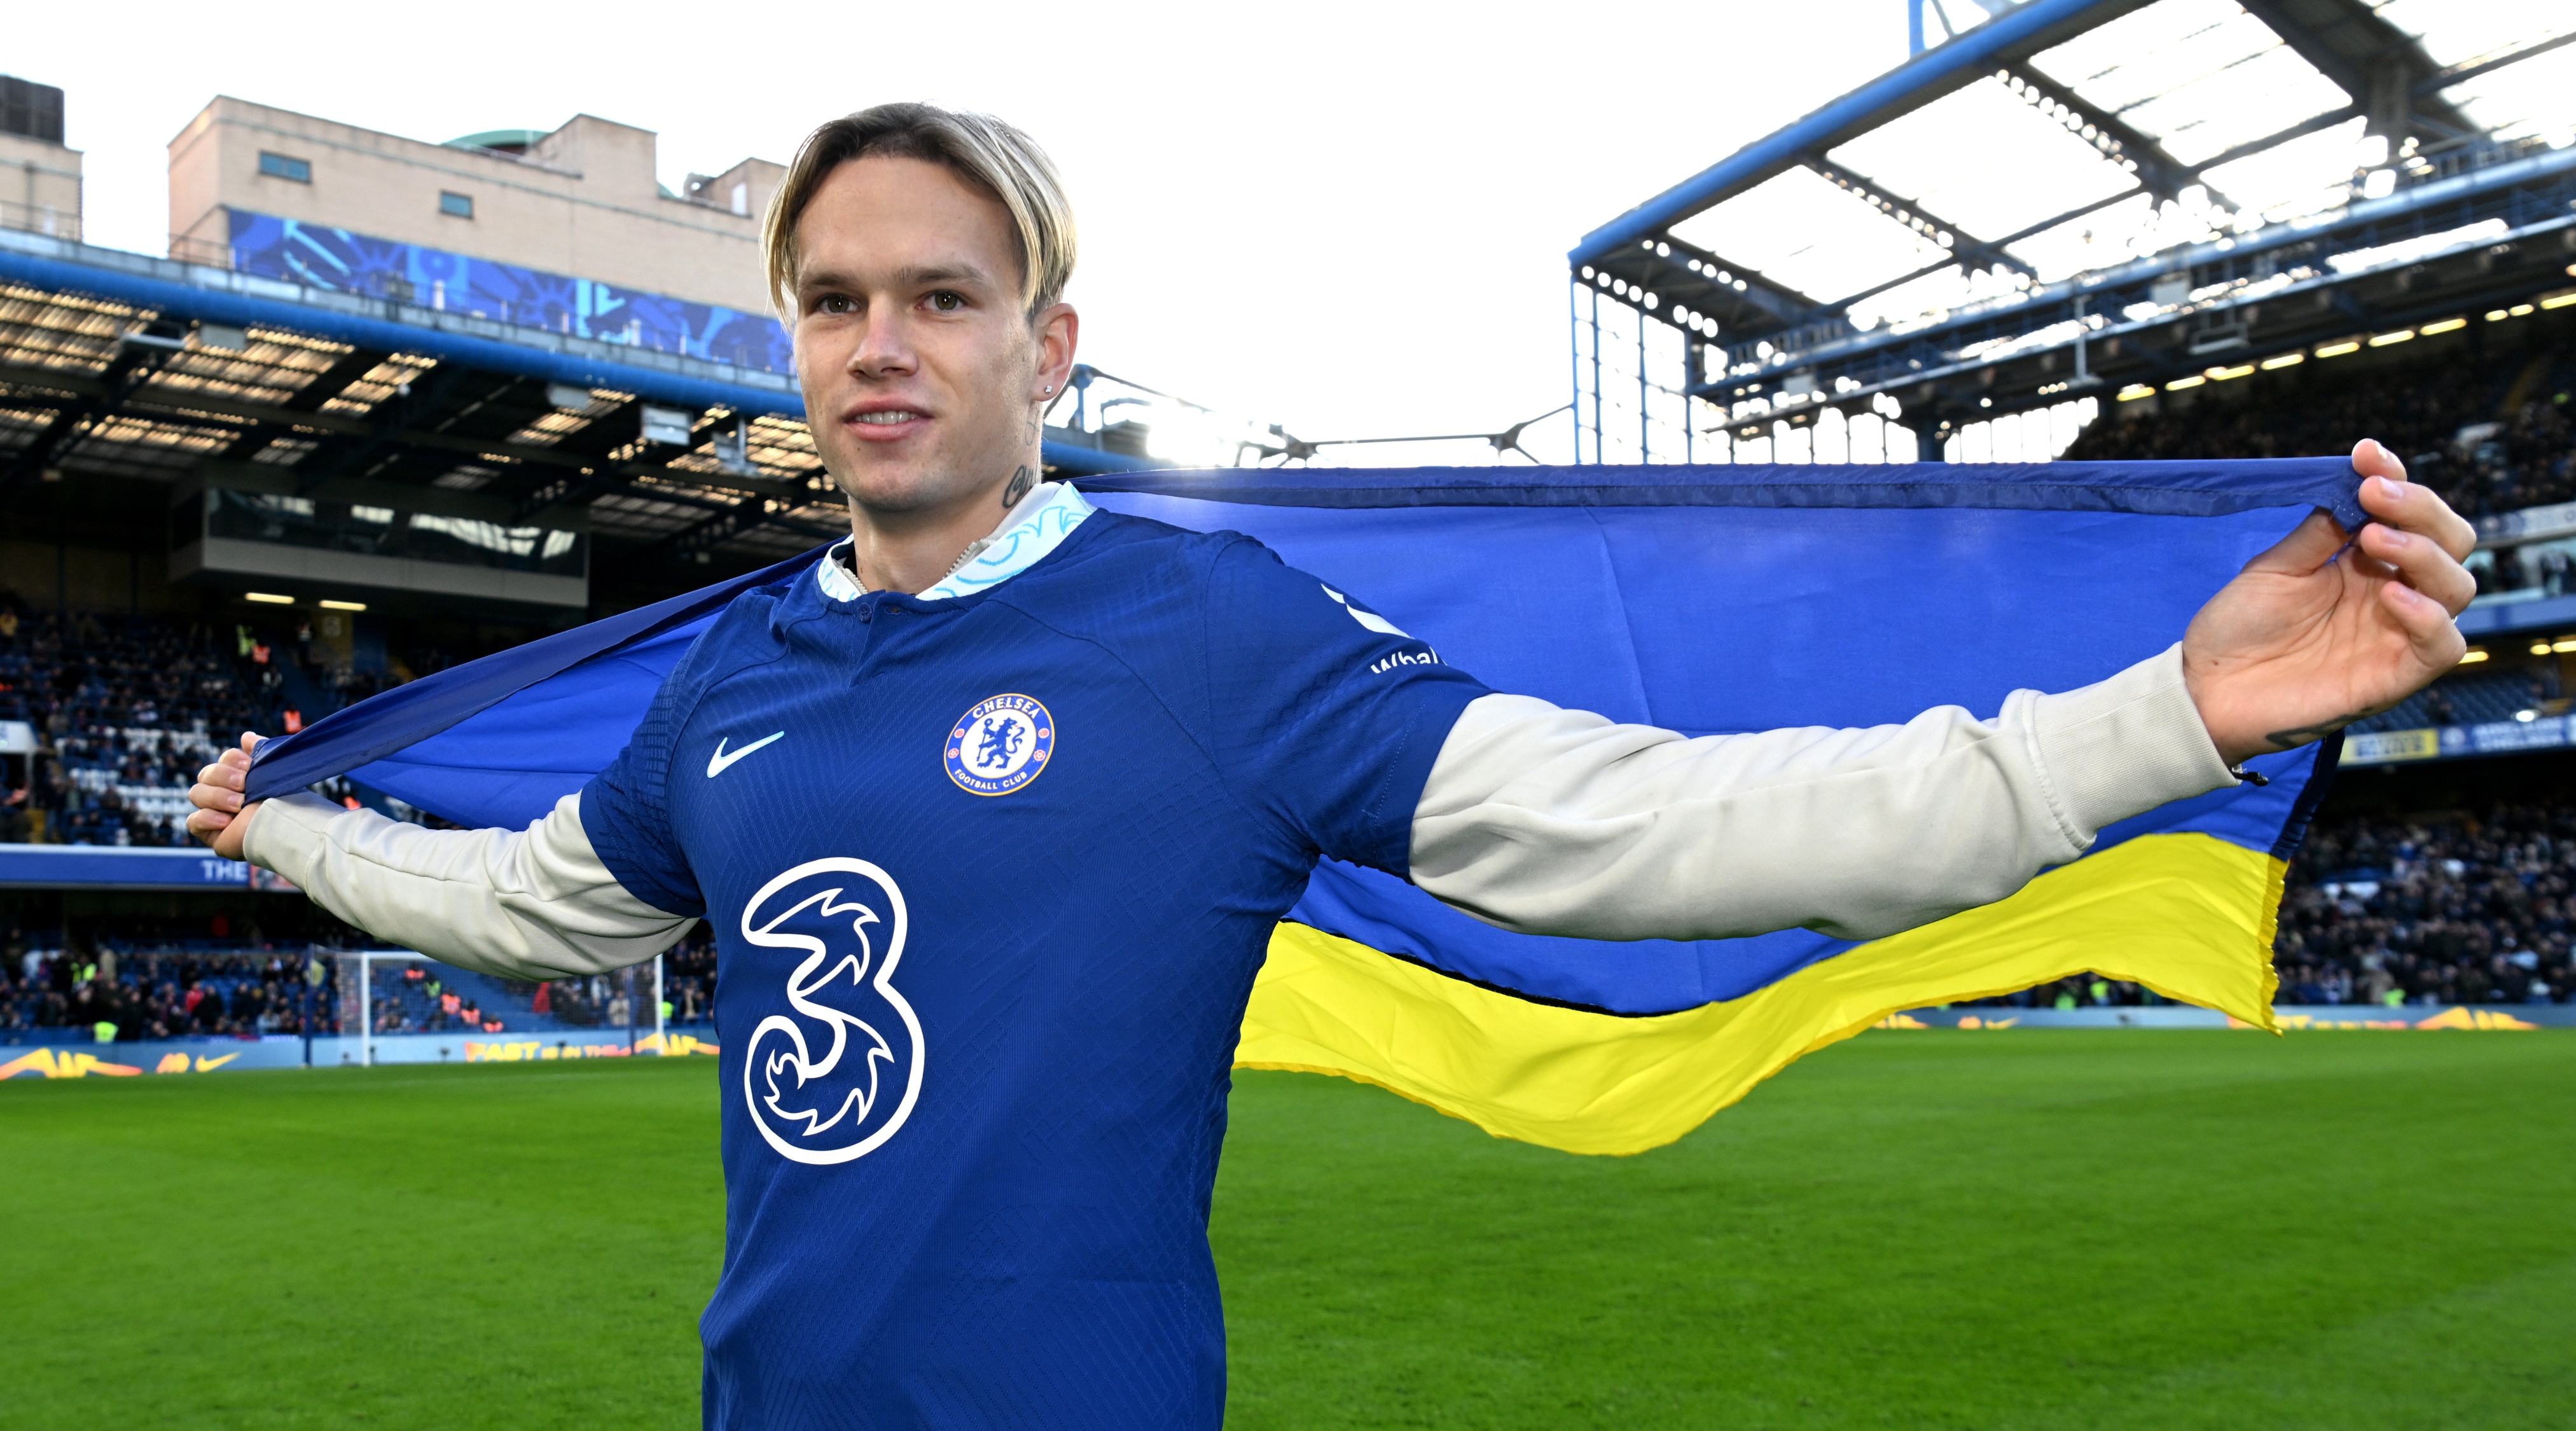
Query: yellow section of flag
[[2188, 915]]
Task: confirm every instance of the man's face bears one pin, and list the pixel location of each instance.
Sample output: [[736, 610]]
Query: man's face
[[920, 369]]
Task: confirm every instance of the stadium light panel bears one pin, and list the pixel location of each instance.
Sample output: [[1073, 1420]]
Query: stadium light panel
[[2445, 326], [2497, 315], [2563, 644], [2285, 360], [2402, 335], [2520, 310], [2337, 350], [268, 598], [2540, 648], [2178, 384], [2135, 391], [2559, 300], [2472, 656], [343, 605], [2228, 374]]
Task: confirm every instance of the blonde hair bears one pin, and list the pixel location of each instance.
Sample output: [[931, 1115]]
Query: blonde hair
[[976, 146]]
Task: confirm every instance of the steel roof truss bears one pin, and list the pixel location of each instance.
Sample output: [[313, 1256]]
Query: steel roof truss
[[1760, 307], [2158, 172], [133, 366], [1965, 248], [1843, 305], [2369, 59]]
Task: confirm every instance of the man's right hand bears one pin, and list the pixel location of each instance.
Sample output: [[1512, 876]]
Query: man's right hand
[[220, 817]]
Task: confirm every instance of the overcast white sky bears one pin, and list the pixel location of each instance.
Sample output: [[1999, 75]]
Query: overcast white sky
[[1350, 218]]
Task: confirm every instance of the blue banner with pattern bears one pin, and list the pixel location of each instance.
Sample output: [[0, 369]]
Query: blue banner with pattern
[[339, 261]]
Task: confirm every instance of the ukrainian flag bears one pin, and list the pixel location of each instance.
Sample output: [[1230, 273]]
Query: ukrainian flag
[[1698, 599]]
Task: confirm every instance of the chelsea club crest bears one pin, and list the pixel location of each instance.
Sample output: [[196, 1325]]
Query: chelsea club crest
[[999, 746]]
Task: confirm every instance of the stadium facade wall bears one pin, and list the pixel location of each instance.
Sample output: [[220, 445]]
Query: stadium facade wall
[[87, 577], [298, 567], [41, 190], [583, 199]]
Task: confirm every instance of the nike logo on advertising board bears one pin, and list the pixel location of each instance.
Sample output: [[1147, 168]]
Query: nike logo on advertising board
[[717, 762]]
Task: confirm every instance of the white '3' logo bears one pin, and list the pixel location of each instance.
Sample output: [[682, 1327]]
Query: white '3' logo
[[827, 1112]]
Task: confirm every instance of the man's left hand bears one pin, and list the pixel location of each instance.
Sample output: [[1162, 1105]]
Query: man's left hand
[[2324, 628]]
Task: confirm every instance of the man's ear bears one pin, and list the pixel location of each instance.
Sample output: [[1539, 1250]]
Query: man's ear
[[1058, 330]]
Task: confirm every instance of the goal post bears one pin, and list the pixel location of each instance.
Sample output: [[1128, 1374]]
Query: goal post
[[364, 990], [402, 993]]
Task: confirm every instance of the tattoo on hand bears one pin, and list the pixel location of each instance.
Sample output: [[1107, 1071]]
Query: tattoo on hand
[[1021, 482], [2292, 739]]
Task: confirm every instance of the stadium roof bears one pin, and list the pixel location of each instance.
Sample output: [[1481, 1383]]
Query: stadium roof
[[2064, 144], [115, 364]]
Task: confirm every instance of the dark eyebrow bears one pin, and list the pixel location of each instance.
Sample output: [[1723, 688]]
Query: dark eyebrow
[[950, 273], [921, 276]]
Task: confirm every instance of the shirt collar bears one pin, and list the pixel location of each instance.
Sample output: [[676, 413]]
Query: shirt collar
[[1028, 531]]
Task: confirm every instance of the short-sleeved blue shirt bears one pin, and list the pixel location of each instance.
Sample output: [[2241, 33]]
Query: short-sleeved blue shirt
[[990, 878]]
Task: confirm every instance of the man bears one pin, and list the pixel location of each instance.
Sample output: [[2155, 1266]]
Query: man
[[994, 808]]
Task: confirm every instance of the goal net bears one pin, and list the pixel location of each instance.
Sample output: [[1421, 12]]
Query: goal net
[[399, 1006]]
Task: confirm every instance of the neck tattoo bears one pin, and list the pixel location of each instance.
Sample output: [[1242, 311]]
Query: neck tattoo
[[1021, 482]]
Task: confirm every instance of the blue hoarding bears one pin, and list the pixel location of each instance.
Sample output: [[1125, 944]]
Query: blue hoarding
[[120, 867], [339, 261]]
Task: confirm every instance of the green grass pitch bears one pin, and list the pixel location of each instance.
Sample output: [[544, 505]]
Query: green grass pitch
[[2023, 1229]]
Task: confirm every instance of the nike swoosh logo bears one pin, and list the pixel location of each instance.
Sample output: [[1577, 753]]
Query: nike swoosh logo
[[1369, 619], [717, 762]]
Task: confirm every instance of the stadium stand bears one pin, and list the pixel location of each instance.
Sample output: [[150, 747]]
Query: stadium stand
[[125, 708], [174, 994], [2473, 699], [2492, 433], [172, 988], [2448, 908]]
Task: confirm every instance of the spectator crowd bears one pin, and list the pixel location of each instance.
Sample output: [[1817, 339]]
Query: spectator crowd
[[2492, 436], [119, 995], [2445, 909], [125, 709]]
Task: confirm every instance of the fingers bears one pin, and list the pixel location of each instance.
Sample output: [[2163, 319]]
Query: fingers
[[2371, 458], [2428, 626], [219, 786], [213, 795], [2309, 546], [2423, 565], [2419, 509], [230, 772]]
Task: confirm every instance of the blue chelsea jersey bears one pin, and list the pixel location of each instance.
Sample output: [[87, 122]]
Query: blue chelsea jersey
[[990, 877]]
